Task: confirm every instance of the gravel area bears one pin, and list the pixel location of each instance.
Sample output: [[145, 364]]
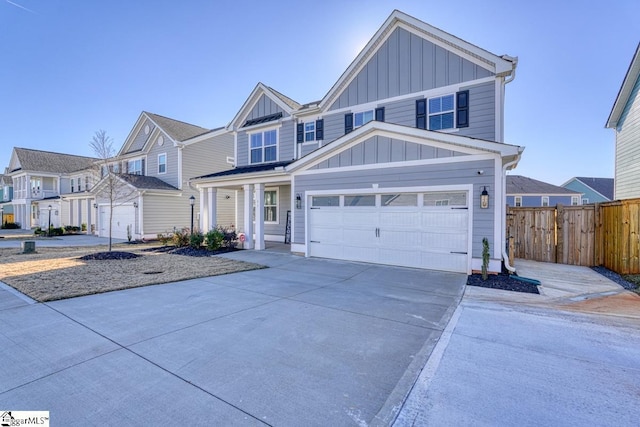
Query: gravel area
[[502, 281], [615, 277]]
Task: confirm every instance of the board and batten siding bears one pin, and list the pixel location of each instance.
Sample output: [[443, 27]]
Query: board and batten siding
[[406, 63], [141, 138], [171, 176], [482, 112], [627, 174], [286, 143], [265, 106], [410, 176]]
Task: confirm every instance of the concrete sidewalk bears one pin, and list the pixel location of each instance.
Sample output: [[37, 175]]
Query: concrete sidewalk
[[14, 239]]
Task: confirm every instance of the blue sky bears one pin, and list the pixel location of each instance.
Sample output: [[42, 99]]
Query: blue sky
[[71, 67]]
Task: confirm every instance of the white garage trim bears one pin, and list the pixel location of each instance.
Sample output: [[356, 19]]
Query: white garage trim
[[375, 212], [123, 216]]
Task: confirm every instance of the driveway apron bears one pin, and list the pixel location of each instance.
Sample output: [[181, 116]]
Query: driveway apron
[[304, 342]]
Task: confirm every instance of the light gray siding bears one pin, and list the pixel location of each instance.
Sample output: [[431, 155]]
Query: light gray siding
[[333, 127], [627, 174], [308, 148], [171, 176], [284, 205], [482, 112], [225, 208], [265, 107], [403, 64], [410, 176], [381, 149], [243, 149], [208, 156], [162, 214], [286, 141], [141, 138]]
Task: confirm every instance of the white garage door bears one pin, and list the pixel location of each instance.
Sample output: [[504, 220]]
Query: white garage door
[[423, 230], [123, 216]]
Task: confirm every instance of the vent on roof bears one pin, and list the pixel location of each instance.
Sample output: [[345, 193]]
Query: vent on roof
[[263, 119]]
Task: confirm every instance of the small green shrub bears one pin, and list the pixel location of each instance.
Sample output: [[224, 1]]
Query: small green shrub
[[180, 238], [57, 231], [11, 225], [83, 226], [214, 239], [38, 231], [485, 258], [165, 238], [196, 239], [71, 229], [229, 236]]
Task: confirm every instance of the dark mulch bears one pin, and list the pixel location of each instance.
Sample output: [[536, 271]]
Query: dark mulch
[[190, 251], [613, 276], [502, 281], [109, 255]]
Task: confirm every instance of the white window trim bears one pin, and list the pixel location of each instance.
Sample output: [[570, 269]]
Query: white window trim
[[542, 200], [575, 199], [135, 160], [373, 116], [304, 124], [517, 199], [453, 110], [165, 163], [262, 131], [585, 201], [277, 190]]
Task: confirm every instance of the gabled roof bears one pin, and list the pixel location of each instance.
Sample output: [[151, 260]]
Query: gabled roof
[[500, 65], [628, 83], [287, 104], [604, 186], [142, 182], [178, 130], [47, 161], [518, 184]]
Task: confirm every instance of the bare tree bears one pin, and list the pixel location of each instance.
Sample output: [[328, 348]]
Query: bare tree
[[110, 187]]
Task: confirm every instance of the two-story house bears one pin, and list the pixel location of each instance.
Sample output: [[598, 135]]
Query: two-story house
[[625, 120], [402, 162], [153, 168], [6, 194], [39, 180], [593, 190], [523, 191]]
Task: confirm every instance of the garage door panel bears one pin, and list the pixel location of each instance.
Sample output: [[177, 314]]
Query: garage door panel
[[400, 238], [352, 216], [365, 236], [442, 241], [123, 216], [404, 258], [329, 217], [359, 253], [327, 250], [400, 219], [447, 218]]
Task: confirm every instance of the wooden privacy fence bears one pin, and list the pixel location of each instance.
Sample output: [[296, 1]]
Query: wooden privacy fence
[[605, 234]]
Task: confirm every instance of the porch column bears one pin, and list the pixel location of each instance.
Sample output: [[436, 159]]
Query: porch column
[[89, 216], [202, 209], [259, 217], [248, 215], [212, 198]]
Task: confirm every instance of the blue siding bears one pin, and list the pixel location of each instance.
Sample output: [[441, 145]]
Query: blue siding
[[587, 192], [536, 201]]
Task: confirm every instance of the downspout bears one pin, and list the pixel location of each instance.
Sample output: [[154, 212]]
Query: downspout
[[505, 256]]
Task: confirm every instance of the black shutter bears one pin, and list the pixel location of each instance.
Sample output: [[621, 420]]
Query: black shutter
[[462, 109], [348, 122], [380, 114], [421, 113], [319, 129], [300, 132], [142, 169]]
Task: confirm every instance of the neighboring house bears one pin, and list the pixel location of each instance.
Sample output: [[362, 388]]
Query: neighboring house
[[389, 166], [153, 167], [40, 179], [625, 119], [594, 190], [529, 192], [6, 194]]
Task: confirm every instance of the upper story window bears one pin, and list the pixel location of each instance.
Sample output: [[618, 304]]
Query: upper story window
[[545, 201], [362, 118], [355, 120], [115, 168], [73, 185], [135, 167], [585, 201], [264, 146], [162, 163], [86, 183], [79, 184], [517, 201], [443, 112], [310, 131], [574, 200]]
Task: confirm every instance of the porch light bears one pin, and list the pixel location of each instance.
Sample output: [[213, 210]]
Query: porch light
[[95, 206], [484, 199], [49, 227], [192, 201], [298, 201]]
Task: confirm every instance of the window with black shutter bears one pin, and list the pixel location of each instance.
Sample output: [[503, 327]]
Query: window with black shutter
[[300, 132], [380, 114], [421, 113], [319, 129], [348, 122], [462, 109]]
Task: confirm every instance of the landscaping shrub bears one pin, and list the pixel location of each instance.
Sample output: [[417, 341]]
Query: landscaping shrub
[[196, 239], [214, 239], [38, 231], [165, 238], [57, 231], [229, 236], [11, 225], [180, 238], [71, 229], [83, 226]]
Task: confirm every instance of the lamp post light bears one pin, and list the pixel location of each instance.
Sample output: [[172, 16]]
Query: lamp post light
[[49, 228], [192, 201], [1, 216]]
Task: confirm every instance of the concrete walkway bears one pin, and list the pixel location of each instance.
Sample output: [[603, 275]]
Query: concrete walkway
[[14, 239]]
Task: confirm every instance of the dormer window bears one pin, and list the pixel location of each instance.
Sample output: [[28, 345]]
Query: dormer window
[[264, 146]]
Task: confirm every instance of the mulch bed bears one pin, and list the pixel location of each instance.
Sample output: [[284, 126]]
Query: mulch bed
[[502, 281], [109, 255], [190, 251], [615, 277]]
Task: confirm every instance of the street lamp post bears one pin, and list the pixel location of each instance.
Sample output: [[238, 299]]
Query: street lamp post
[[192, 201], [1, 217], [49, 228]]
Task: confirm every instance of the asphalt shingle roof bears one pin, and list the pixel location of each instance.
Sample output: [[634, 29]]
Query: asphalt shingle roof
[[179, 131], [603, 186], [247, 169], [47, 161], [290, 102], [142, 182], [518, 184]]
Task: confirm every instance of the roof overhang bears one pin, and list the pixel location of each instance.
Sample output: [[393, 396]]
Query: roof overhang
[[628, 83]]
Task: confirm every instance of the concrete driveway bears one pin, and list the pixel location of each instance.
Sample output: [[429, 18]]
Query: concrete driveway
[[305, 342]]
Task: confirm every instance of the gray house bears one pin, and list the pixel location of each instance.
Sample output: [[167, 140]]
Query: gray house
[[625, 120], [402, 162], [153, 167], [523, 191]]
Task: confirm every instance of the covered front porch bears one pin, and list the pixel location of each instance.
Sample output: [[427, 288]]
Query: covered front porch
[[262, 208]]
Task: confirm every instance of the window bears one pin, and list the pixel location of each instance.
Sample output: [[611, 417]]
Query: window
[[264, 146], [517, 201], [323, 201], [271, 206], [309, 131], [362, 118], [399, 200], [79, 184], [441, 111], [162, 163], [574, 200], [545, 201], [359, 201], [115, 168], [445, 198], [135, 167], [73, 185], [86, 183], [585, 201]]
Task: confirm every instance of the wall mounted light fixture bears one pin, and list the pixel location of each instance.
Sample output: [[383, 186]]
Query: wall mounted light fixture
[[298, 201], [484, 199]]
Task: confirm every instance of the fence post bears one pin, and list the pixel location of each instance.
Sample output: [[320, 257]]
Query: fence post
[[597, 234], [559, 226]]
